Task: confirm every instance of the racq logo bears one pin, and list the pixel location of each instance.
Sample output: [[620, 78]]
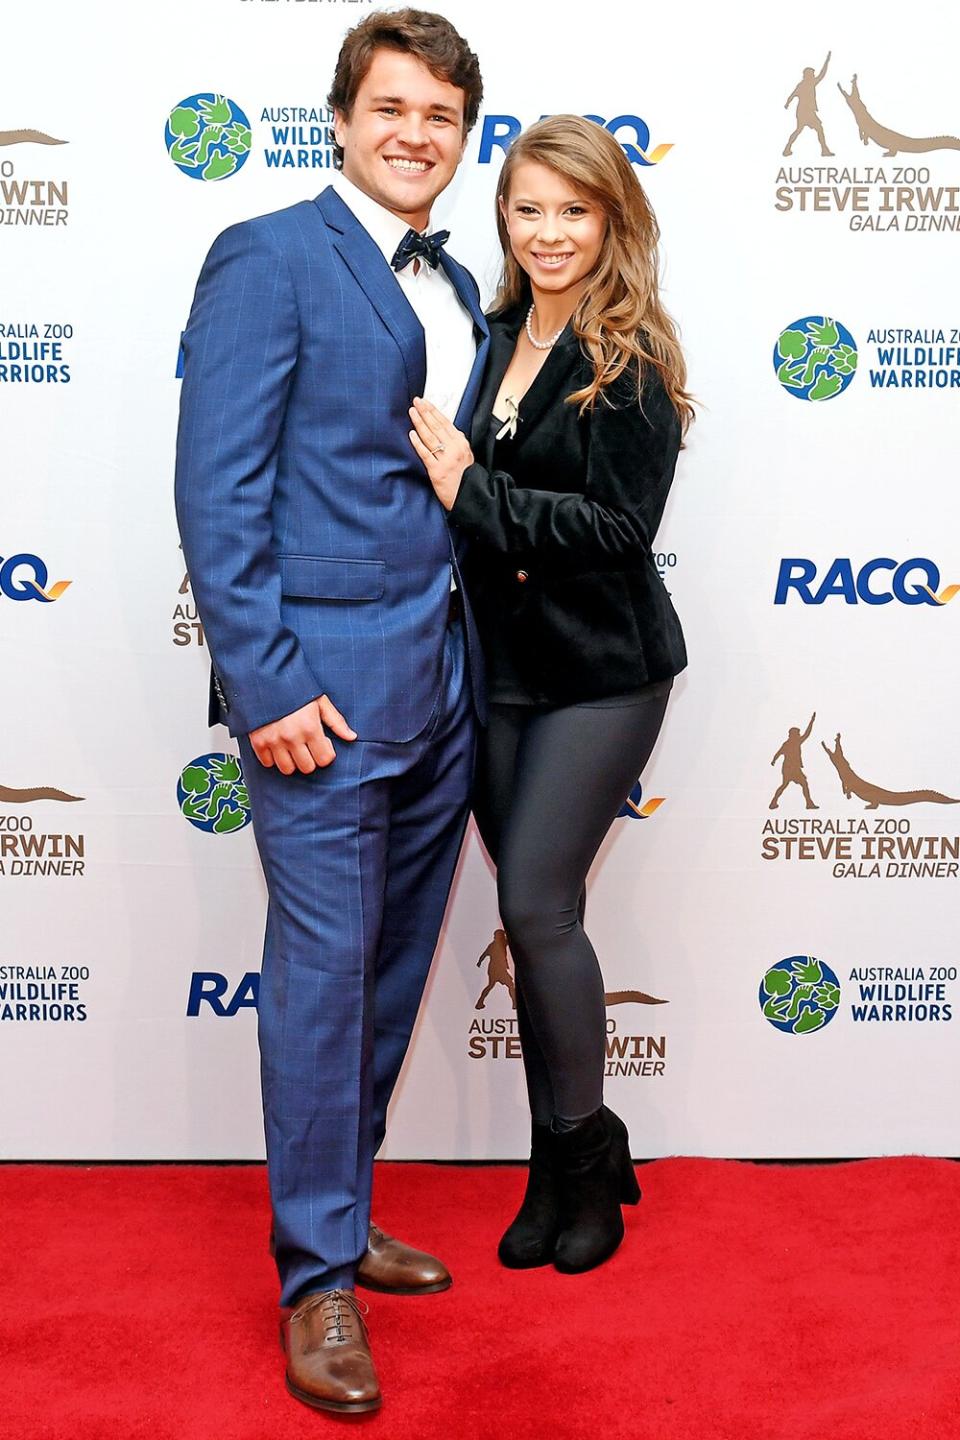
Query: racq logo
[[911, 582], [500, 131], [25, 577]]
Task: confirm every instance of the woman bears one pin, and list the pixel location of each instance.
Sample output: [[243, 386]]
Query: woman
[[576, 432]]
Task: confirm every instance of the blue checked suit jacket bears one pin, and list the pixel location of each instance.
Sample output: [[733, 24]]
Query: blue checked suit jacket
[[318, 553]]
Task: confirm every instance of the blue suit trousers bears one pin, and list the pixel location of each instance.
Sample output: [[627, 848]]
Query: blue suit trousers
[[358, 859]]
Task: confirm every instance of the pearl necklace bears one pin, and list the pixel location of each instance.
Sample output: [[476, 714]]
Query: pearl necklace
[[541, 344]]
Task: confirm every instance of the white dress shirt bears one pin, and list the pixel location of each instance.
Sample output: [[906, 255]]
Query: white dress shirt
[[447, 325]]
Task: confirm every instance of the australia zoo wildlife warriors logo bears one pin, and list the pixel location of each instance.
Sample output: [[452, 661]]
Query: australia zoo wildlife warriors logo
[[799, 995], [908, 179], [815, 358], [853, 833], [207, 136], [496, 1037], [212, 794]]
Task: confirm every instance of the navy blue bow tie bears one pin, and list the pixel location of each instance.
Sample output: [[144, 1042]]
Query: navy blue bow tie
[[414, 246]]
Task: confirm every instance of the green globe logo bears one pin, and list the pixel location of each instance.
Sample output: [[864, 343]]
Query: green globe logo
[[207, 136], [212, 794], [799, 994], [815, 358]]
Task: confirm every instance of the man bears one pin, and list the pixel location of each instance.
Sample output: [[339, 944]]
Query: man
[[805, 95], [344, 657]]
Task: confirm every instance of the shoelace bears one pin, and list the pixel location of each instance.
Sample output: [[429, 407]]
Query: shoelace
[[333, 1306]]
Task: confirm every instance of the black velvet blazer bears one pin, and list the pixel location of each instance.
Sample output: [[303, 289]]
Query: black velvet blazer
[[560, 565]]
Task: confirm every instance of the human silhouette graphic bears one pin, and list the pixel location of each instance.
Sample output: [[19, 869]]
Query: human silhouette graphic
[[498, 969], [805, 95], [791, 752]]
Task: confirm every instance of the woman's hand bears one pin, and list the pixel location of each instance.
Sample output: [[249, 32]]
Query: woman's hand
[[444, 450]]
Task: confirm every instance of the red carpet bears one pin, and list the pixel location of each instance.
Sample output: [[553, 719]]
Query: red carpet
[[749, 1302]]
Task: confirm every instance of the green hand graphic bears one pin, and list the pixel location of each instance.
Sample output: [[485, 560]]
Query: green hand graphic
[[229, 819], [809, 1020], [227, 771], [218, 166], [215, 111], [825, 334], [826, 386], [807, 972]]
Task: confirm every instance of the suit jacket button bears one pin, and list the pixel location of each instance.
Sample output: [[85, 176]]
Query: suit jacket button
[[522, 577]]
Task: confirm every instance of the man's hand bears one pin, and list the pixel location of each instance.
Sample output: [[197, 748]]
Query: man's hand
[[299, 741]]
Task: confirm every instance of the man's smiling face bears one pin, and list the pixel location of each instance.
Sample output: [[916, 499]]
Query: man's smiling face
[[404, 137]]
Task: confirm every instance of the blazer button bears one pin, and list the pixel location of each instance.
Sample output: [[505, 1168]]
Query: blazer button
[[522, 577]]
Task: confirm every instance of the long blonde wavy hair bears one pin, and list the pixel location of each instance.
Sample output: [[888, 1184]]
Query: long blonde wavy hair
[[620, 318]]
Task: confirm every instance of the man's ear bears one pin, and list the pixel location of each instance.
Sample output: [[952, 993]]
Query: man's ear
[[339, 119]]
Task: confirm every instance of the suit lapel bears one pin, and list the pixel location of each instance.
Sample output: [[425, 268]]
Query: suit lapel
[[365, 261], [552, 384], [466, 292], [503, 339]]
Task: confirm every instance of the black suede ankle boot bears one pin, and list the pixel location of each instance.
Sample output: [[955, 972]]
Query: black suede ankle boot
[[530, 1239], [596, 1178]]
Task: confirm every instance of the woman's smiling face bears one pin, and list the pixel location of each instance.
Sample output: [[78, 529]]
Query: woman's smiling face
[[556, 229]]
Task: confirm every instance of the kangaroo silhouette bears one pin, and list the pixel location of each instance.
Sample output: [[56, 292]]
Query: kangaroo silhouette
[[805, 94], [875, 795], [39, 792], [891, 141], [791, 772]]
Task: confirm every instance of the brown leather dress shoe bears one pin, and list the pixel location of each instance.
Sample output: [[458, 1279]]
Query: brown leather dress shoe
[[397, 1269], [394, 1268], [329, 1365]]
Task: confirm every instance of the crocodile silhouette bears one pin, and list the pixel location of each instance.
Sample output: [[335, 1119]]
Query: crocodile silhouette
[[28, 137], [631, 997], [875, 795], [891, 141], [9, 796]]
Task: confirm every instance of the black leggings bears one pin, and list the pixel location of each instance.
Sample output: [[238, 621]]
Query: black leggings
[[549, 785]]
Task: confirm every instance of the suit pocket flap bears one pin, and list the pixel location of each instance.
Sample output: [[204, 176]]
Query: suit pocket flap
[[319, 577]]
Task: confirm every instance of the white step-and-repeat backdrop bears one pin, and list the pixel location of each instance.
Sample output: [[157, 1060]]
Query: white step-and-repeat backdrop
[[776, 909]]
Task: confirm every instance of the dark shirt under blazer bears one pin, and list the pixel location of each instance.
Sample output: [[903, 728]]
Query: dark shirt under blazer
[[560, 569]]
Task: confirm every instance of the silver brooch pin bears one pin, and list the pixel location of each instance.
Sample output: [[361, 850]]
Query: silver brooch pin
[[509, 428]]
